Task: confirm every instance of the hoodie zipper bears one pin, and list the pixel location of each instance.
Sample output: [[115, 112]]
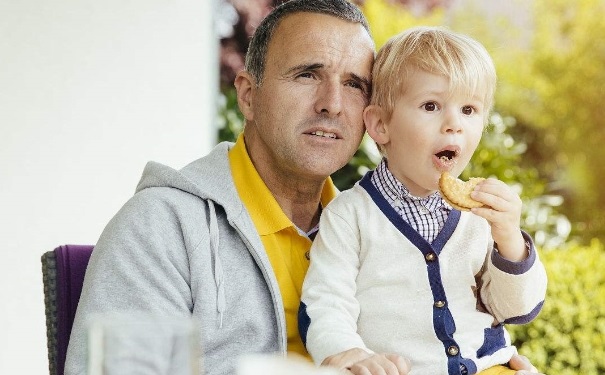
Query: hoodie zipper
[[268, 278]]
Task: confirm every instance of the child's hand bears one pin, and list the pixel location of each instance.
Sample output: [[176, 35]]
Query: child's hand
[[522, 365], [503, 212], [357, 361]]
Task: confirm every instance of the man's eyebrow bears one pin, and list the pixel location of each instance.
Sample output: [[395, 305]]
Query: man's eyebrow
[[303, 67], [316, 66]]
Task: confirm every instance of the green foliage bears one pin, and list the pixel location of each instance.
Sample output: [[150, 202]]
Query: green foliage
[[568, 337], [499, 155], [231, 121], [366, 158], [554, 87]]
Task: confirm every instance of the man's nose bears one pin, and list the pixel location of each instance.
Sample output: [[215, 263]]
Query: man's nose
[[329, 99]]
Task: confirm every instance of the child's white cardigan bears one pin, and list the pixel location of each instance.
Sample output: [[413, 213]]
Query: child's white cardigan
[[375, 283]]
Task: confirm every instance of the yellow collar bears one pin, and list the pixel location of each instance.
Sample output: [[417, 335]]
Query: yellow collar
[[264, 210]]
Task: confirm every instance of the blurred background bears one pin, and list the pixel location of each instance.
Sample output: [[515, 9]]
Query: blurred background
[[546, 138]]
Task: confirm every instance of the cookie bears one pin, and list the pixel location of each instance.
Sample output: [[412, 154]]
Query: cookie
[[457, 192]]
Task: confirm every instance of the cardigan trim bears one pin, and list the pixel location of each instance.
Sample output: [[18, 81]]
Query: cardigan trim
[[443, 321], [404, 227]]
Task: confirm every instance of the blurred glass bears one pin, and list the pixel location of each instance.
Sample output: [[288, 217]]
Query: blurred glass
[[273, 364], [137, 343]]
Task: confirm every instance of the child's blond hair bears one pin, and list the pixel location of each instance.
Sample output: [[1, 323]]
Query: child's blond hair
[[437, 50]]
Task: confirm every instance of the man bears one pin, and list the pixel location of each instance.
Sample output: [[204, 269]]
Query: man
[[225, 239]]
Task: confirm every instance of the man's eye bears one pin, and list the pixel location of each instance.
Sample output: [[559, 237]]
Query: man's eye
[[468, 110], [355, 85], [430, 107], [305, 75]]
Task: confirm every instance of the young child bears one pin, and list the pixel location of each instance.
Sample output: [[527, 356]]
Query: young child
[[394, 268]]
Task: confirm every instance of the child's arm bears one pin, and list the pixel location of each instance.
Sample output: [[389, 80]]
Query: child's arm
[[329, 308], [503, 212], [514, 281], [359, 362], [513, 292]]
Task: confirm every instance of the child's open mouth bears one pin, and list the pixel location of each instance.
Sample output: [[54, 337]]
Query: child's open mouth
[[446, 155], [446, 158]]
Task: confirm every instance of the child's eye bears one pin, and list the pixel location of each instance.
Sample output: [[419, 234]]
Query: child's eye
[[468, 110], [430, 106]]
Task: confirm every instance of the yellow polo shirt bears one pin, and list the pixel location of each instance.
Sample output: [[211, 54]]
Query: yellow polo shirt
[[286, 247]]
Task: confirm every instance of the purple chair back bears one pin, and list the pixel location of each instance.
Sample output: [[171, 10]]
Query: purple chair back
[[71, 267], [71, 262]]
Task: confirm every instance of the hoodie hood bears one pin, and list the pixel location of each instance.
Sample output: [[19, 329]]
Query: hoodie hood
[[208, 178]]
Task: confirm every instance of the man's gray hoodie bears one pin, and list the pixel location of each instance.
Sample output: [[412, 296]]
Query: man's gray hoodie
[[184, 245]]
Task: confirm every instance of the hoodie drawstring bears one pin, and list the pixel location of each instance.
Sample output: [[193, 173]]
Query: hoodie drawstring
[[218, 267]]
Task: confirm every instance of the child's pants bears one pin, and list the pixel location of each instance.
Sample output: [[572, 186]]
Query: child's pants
[[497, 370]]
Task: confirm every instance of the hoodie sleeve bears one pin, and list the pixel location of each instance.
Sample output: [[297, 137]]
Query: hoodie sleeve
[[141, 252]]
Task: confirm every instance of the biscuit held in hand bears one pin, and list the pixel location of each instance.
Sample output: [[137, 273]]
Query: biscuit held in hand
[[457, 192]]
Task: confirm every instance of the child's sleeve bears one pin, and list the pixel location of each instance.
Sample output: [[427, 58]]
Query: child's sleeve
[[329, 309], [514, 292]]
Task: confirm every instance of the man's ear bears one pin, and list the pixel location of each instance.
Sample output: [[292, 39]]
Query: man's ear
[[373, 117], [244, 85]]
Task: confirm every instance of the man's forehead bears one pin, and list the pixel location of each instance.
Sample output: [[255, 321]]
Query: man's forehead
[[317, 39], [303, 26]]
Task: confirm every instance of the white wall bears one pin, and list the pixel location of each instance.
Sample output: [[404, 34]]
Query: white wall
[[89, 91]]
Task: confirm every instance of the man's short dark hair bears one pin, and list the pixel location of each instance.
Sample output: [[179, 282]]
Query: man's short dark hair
[[259, 44]]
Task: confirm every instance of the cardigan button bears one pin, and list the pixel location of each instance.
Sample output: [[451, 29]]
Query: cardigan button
[[452, 350], [439, 304], [430, 257]]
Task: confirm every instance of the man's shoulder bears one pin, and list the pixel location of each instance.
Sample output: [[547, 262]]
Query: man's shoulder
[[208, 177]]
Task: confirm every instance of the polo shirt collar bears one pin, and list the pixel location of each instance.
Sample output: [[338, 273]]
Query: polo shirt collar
[[264, 210]]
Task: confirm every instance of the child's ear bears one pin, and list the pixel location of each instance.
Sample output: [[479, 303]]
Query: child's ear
[[373, 117]]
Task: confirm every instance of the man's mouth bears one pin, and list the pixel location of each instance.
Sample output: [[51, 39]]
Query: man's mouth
[[320, 133]]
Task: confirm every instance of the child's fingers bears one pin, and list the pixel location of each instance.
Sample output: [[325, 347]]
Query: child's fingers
[[497, 195]]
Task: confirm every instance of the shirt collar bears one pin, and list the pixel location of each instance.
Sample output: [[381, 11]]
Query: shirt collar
[[267, 215], [396, 190]]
